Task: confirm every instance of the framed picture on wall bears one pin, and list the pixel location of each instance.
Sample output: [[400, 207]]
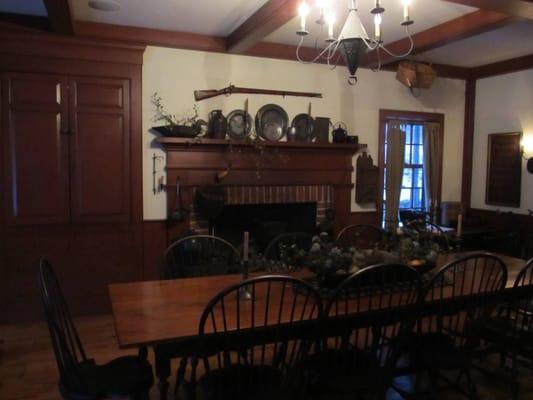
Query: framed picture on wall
[[504, 169]]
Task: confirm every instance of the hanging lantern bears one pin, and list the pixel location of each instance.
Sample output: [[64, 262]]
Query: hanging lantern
[[352, 44], [352, 51]]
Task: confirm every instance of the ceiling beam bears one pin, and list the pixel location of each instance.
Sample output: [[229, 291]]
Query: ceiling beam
[[24, 22], [270, 17], [517, 8], [147, 36], [503, 67], [59, 16], [288, 52], [459, 28]]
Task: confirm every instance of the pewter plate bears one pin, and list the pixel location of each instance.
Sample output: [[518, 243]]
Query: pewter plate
[[237, 128], [271, 122]]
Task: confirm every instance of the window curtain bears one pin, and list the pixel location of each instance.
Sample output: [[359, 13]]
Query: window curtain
[[394, 164], [432, 166]]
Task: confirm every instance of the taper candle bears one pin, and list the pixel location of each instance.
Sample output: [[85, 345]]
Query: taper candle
[[246, 245]]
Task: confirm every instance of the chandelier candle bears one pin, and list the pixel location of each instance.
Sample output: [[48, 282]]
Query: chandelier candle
[[377, 23], [353, 42], [406, 10], [303, 10]]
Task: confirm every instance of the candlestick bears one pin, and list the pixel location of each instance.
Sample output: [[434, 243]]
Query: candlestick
[[303, 11], [460, 225], [377, 23], [406, 9], [246, 245]]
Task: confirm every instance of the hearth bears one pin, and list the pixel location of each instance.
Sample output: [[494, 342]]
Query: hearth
[[264, 221]]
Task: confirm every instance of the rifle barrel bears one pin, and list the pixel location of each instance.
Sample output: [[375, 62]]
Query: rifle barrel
[[207, 94]]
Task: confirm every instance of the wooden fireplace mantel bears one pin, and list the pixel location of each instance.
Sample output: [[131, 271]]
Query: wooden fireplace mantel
[[197, 162], [193, 144]]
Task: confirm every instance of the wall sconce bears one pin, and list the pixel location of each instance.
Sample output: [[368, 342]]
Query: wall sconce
[[527, 149]]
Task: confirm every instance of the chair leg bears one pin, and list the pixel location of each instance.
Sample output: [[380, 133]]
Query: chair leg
[[142, 396], [471, 385], [180, 377]]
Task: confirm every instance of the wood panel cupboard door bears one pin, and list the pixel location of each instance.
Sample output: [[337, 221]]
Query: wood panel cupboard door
[[36, 170], [100, 149]]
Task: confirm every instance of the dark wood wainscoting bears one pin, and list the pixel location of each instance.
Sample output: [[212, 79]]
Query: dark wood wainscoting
[[502, 232], [365, 218], [154, 245]]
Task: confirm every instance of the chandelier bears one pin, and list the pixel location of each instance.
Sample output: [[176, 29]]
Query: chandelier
[[353, 41]]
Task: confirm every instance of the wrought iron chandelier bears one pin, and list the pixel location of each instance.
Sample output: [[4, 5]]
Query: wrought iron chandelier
[[353, 41]]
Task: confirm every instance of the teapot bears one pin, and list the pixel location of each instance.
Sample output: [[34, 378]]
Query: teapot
[[340, 133]]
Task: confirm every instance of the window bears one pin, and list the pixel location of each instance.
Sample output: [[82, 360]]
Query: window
[[413, 192]]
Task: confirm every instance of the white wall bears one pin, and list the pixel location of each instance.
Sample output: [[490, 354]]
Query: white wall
[[175, 74], [503, 104]]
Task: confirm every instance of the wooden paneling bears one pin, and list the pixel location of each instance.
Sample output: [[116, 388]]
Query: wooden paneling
[[154, 243], [365, 218], [36, 149], [91, 52], [91, 254], [504, 169], [100, 150], [468, 142], [86, 257], [146, 36]]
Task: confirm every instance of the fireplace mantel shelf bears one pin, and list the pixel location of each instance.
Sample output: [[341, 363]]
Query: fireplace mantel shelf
[[170, 143]]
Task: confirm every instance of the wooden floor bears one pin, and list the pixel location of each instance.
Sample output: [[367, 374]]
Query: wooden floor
[[28, 370]]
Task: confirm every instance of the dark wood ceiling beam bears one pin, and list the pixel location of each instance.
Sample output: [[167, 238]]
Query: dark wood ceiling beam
[[270, 17], [24, 22], [288, 52], [147, 36], [503, 67], [448, 32], [517, 8], [59, 16]]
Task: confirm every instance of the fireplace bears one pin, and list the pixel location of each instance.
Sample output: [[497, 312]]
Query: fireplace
[[306, 178], [264, 221], [271, 201]]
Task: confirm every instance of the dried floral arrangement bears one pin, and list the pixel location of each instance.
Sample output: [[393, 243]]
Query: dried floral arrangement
[[161, 114]]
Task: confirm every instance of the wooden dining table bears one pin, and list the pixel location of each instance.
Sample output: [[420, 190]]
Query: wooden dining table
[[165, 314]]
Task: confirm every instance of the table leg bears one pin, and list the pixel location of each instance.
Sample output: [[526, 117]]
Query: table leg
[[162, 371]]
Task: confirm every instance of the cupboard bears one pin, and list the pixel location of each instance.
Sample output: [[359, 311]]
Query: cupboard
[[68, 148], [71, 162]]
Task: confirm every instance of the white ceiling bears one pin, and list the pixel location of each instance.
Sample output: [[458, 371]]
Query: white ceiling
[[498, 45], [426, 14], [28, 7], [208, 17], [221, 17]]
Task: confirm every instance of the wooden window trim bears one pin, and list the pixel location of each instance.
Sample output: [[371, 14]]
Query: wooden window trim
[[408, 116]]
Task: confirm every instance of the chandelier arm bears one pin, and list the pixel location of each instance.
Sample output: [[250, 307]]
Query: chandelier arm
[[378, 67], [331, 54], [411, 47], [369, 42], [314, 59]]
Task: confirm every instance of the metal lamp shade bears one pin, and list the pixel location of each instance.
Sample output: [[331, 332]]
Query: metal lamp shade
[[352, 51]]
